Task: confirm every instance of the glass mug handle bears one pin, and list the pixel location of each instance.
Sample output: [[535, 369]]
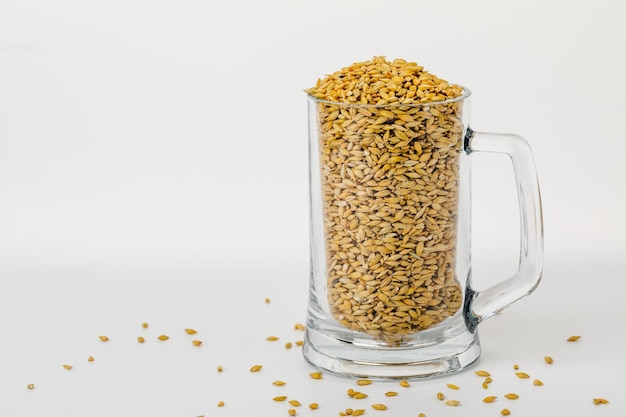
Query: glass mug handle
[[481, 305]]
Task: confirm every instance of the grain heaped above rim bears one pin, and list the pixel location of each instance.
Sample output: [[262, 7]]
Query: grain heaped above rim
[[390, 136], [382, 82]]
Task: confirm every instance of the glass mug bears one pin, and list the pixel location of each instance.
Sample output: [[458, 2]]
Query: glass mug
[[391, 291]]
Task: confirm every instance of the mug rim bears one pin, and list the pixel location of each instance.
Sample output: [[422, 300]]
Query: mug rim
[[466, 93]]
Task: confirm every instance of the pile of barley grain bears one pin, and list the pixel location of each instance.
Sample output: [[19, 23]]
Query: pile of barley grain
[[389, 147]]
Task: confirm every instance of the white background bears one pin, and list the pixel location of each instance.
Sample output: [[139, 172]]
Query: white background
[[153, 167]]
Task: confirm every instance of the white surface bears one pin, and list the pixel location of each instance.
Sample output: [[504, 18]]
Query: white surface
[[153, 168]]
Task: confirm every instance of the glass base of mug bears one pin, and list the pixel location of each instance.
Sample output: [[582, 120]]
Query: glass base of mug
[[365, 358]]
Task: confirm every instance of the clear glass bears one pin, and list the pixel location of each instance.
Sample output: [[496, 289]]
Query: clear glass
[[390, 287]]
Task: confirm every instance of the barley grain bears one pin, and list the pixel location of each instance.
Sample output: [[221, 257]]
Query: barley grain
[[140, 339], [440, 396], [512, 396], [104, 338], [482, 373], [391, 394], [452, 386], [316, 375], [256, 368], [280, 398], [522, 375], [356, 394], [379, 406], [404, 384], [271, 338], [288, 345], [30, 386], [68, 367], [548, 360], [537, 382], [144, 325], [314, 406], [279, 383], [598, 401], [163, 337], [291, 412], [190, 331], [220, 404], [382, 162], [573, 338], [196, 342], [505, 412], [364, 382], [453, 403], [220, 368], [295, 403], [489, 399], [90, 359]]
